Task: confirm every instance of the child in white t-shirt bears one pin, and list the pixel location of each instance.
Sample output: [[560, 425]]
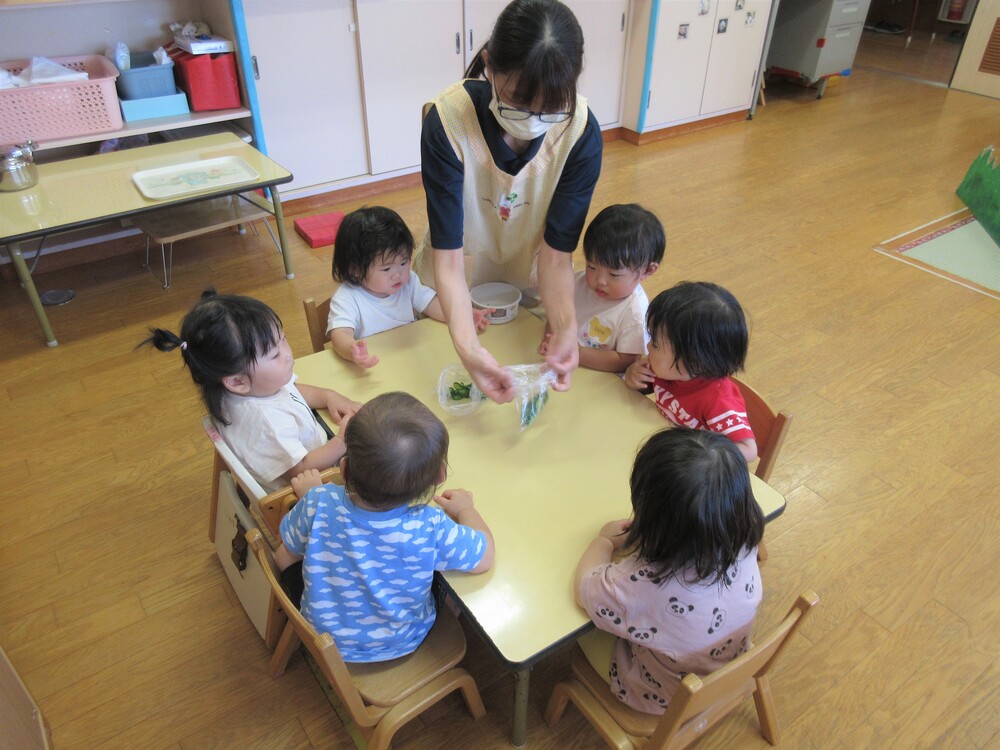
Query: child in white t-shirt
[[378, 291], [623, 245], [237, 354]]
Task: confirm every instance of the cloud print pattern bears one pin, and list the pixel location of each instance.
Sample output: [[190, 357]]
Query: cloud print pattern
[[368, 574]]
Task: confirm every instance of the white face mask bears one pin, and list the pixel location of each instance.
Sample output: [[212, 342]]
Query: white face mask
[[524, 130]]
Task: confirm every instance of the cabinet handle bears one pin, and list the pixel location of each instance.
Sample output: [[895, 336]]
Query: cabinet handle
[[623, 22], [458, 43], [256, 70], [471, 46]]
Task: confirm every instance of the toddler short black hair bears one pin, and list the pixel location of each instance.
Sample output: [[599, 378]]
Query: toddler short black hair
[[625, 235], [396, 447], [704, 324], [692, 504], [365, 236]]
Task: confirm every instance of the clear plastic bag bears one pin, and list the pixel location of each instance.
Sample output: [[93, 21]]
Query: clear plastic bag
[[531, 390], [457, 394]]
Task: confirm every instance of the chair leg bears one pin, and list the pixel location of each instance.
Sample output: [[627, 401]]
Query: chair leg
[[557, 704], [765, 711], [283, 651], [761, 552], [473, 700]]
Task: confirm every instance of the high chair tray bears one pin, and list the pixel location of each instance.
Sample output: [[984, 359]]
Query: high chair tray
[[193, 177]]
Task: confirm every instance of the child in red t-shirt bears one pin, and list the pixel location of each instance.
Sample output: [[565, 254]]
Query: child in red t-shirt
[[698, 340]]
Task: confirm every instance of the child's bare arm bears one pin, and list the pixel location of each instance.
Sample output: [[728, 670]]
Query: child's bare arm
[[605, 360], [609, 540], [283, 558], [481, 318], [749, 449], [319, 458], [351, 350], [458, 505]]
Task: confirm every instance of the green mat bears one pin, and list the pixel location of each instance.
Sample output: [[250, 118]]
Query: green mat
[[956, 247]]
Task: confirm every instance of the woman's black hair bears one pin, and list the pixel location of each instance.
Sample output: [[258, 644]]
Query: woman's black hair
[[704, 324], [692, 504], [540, 42], [365, 236], [625, 235], [396, 447], [223, 335]]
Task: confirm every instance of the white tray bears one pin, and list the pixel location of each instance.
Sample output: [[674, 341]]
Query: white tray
[[193, 177]]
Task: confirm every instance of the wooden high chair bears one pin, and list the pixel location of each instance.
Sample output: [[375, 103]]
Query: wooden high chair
[[770, 429], [239, 504], [316, 318], [697, 705], [377, 698]]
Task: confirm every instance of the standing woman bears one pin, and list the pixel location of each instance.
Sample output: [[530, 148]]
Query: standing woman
[[510, 158]]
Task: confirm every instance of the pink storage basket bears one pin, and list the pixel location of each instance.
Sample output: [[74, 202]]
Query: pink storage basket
[[49, 111]]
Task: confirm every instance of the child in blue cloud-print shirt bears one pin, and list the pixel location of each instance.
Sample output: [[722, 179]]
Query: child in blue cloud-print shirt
[[370, 548]]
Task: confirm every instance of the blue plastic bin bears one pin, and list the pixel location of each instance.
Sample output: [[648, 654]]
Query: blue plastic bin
[[145, 79]]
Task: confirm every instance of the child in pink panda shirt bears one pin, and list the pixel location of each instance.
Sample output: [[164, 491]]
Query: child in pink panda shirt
[[675, 589]]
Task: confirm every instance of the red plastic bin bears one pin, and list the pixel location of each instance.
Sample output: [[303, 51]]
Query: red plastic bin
[[208, 80]]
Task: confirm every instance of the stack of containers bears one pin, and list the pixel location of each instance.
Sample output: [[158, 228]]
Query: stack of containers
[[148, 90]]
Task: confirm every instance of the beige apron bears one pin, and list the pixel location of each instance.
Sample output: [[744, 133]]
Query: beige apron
[[504, 214]]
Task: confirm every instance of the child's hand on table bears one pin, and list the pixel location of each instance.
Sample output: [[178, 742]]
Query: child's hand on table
[[340, 407], [639, 376], [481, 318], [454, 502], [302, 483], [360, 355]]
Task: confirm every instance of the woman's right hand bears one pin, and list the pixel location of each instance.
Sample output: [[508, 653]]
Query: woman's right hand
[[490, 378]]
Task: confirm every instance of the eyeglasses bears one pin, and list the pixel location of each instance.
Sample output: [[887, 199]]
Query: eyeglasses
[[514, 113]]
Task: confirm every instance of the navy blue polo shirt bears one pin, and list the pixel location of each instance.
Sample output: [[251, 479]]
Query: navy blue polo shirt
[[444, 174]]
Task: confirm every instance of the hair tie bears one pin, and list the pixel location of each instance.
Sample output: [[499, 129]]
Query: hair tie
[[184, 346]]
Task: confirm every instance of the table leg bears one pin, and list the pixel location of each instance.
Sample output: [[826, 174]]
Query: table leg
[[14, 250], [279, 219], [519, 729]]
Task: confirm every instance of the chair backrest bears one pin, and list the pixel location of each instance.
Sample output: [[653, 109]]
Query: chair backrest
[[316, 319], [769, 428], [275, 506], [699, 703], [322, 647], [240, 473]]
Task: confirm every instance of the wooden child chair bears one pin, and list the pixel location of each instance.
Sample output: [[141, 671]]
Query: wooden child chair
[[376, 698], [316, 319], [698, 704], [770, 429], [239, 504]]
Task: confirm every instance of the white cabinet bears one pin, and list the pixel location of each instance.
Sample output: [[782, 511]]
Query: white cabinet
[[604, 31], [308, 86], [692, 59], [410, 51]]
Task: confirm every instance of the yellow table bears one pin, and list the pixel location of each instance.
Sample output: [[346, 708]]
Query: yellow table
[[92, 189], [545, 492]]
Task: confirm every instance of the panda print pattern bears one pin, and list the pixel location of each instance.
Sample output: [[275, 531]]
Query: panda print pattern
[[670, 627]]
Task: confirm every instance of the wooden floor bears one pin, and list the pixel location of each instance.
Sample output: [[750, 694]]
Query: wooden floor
[[924, 58], [116, 611]]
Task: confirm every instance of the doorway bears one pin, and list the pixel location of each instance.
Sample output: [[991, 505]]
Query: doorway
[[916, 39]]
